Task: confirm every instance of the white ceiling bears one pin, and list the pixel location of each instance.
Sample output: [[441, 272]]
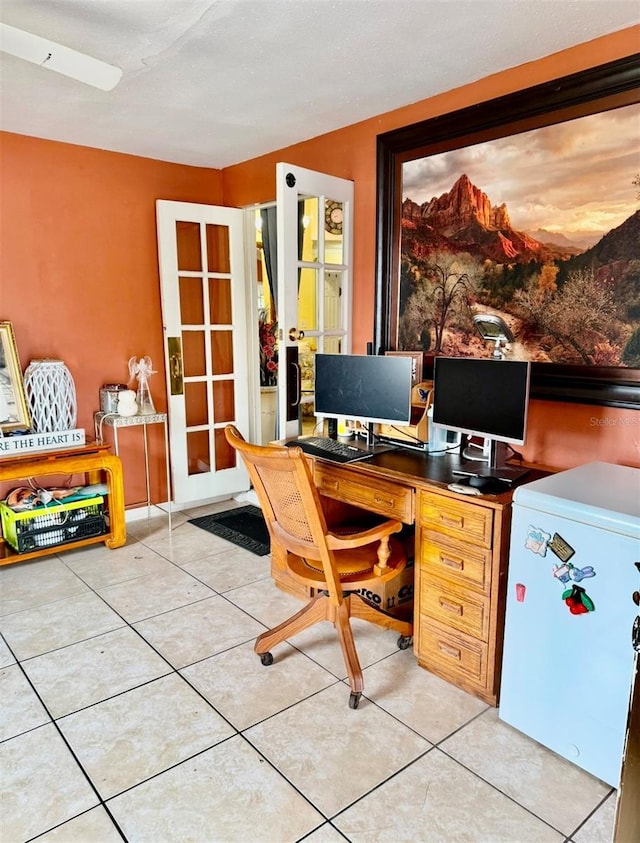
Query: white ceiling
[[215, 82]]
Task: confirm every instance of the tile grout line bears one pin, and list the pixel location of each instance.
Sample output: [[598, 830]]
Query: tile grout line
[[238, 732], [70, 749]]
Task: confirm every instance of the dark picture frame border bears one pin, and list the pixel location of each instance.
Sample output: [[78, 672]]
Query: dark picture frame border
[[597, 89]]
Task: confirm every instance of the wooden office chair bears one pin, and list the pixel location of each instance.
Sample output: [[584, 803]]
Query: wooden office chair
[[332, 563]]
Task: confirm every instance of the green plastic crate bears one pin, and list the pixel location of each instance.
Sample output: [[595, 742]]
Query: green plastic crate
[[54, 524]]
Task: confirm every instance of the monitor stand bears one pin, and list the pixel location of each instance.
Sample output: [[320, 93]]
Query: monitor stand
[[490, 461], [371, 438], [371, 445]]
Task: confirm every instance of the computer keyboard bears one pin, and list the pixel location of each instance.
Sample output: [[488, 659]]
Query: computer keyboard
[[330, 449]]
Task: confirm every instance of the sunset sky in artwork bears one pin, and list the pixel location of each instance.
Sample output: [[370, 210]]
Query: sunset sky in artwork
[[574, 178]]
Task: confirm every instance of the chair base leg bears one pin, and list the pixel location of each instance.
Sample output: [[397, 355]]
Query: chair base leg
[[349, 653], [320, 609], [316, 610], [361, 609]]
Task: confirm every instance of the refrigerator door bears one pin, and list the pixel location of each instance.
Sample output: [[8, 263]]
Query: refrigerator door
[[568, 661]]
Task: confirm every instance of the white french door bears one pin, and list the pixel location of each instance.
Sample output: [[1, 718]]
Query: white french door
[[202, 282], [315, 224]]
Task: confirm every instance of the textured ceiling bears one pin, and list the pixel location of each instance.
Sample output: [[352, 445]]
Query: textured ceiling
[[215, 82]]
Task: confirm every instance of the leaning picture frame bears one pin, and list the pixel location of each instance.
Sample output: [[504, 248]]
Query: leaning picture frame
[[591, 92], [14, 412], [416, 363]]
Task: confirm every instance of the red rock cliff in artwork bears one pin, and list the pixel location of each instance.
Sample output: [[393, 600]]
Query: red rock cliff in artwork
[[464, 220]]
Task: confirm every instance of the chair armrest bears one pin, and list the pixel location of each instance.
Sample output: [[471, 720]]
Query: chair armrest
[[347, 542]]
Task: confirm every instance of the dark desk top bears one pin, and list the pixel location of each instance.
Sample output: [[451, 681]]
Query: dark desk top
[[413, 466]]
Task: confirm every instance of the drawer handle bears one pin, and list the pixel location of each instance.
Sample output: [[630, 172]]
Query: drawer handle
[[452, 521], [452, 563], [449, 651], [330, 484], [385, 501], [456, 608]]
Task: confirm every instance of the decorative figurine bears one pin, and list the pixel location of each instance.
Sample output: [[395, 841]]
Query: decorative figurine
[[142, 369], [127, 404]]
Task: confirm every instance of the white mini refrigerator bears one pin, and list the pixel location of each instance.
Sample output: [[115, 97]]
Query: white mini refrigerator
[[574, 567]]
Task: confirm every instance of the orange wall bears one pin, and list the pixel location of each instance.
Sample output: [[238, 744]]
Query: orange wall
[[78, 263], [79, 269], [560, 435]]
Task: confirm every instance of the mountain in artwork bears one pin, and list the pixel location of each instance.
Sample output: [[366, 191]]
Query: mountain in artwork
[[574, 241], [464, 220]]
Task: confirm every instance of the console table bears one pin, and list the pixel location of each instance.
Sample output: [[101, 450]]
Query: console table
[[461, 553], [114, 421], [97, 464]]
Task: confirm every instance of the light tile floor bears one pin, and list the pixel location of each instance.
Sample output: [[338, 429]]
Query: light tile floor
[[133, 707]]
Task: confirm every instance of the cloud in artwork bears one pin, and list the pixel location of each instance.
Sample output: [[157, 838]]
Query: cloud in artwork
[[575, 176]]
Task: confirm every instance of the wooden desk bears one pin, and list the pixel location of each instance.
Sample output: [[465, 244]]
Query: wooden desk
[[461, 553], [97, 463]]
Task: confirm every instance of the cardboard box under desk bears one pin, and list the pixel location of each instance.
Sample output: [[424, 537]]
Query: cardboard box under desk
[[394, 597]]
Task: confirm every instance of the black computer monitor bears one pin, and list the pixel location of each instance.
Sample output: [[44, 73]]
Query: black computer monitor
[[484, 398], [364, 388]]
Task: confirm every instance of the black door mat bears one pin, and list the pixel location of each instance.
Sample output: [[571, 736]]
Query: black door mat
[[243, 526]]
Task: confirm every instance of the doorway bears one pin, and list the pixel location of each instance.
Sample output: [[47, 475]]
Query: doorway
[[302, 284], [265, 268]]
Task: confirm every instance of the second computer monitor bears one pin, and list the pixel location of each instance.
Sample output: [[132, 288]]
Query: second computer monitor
[[365, 388]]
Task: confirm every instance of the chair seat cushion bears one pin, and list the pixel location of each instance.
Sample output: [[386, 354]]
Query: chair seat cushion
[[353, 565]]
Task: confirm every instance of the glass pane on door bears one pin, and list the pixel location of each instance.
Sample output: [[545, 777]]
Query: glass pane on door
[[221, 352], [308, 300], [332, 300], [223, 401], [196, 404], [225, 454], [220, 301], [191, 301], [332, 345], [198, 459], [193, 354], [218, 256], [188, 246], [333, 242], [308, 227]]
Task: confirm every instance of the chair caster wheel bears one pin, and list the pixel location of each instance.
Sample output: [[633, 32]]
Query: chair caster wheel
[[404, 642], [354, 700], [266, 659]]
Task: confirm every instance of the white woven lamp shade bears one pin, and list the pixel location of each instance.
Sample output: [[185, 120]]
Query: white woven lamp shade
[[51, 396]]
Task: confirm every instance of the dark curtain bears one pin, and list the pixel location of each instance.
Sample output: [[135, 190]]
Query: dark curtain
[[270, 251]]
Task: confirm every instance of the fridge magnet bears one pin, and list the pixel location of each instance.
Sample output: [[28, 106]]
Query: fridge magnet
[[537, 541], [575, 596], [561, 548], [564, 573], [578, 600], [579, 574]]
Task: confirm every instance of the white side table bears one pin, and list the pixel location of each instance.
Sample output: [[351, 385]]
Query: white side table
[[115, 422]]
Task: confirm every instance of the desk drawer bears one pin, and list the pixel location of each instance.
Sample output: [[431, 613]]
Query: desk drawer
[[381, 496], [452, 655], [461, 520], [454, 607], [456, 561]]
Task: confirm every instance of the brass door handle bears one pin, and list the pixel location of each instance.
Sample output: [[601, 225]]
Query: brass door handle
[[176, 377]]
